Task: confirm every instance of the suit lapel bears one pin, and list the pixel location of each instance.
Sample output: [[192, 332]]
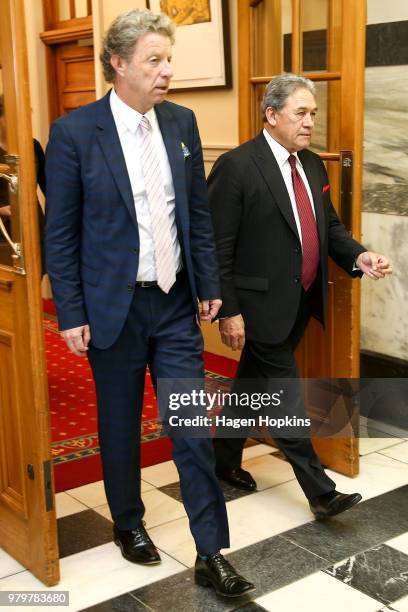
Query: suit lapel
[[311, 172], [108, 138], [268, 167]]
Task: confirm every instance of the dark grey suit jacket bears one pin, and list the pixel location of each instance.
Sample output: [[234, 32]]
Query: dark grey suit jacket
[[258, 246]]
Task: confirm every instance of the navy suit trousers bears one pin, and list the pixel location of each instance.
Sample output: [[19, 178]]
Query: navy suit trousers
[[161, 332]]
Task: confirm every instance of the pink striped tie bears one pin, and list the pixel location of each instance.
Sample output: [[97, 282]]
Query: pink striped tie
[[310, 239], [160, 221]]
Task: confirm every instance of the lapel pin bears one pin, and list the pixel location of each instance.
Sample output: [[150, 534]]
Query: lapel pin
[[185, 150]]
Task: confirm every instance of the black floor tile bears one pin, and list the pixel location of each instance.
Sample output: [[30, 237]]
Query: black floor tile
[[230, 492], [274, 563], [124, 603], [380, 573], [173, 490], [81, 531], [270, 564], [366, 525]]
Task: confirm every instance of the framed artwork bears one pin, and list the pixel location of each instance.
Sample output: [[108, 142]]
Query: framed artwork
[[201, 55]]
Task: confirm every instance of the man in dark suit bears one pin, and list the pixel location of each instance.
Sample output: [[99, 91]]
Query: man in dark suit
[[275, 227], [130, 252]]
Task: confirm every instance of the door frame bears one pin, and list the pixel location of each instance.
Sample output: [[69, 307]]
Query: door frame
[[28, 528]]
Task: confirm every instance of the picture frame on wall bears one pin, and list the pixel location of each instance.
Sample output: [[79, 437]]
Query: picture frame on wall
[[202, 54]]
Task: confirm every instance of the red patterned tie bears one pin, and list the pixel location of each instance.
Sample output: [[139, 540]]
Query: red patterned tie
[[310, 239]]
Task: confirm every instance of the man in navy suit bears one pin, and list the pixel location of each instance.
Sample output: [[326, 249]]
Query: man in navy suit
[[130, 254]]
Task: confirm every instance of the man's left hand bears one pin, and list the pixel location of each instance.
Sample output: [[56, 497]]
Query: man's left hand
[[373, 265], [209, 309]]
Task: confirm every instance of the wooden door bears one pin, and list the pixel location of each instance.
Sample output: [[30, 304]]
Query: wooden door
[[75, 72], [323, 40], [28, 528], [68, 37]]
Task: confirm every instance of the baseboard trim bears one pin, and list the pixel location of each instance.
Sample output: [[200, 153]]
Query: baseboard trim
[[377, 365]]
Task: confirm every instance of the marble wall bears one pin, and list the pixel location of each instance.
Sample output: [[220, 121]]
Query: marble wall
[[384, 316], [386, 140]]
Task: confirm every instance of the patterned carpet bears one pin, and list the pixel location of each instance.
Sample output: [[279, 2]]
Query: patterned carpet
[[75, 445]]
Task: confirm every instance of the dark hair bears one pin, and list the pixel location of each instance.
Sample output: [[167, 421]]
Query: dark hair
[[1, 105]]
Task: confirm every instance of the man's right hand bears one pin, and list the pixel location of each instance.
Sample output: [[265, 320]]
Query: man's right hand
[[232, 330], [77, 339]]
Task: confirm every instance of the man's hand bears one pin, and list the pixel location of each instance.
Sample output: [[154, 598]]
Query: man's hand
[[373, 265], [77, 339], [209, 309], [5, 211], [232, 330]]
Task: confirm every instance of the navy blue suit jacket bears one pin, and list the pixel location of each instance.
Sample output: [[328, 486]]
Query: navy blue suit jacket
[[92, 240]]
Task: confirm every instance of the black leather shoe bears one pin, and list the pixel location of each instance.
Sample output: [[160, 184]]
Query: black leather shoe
[[136, 545], [238, 478], [333, 503], [215, 571]]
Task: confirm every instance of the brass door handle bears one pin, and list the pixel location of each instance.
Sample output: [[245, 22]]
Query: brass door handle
[[16, 247], [12, 180]]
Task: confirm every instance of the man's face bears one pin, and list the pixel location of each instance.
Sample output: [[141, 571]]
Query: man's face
[[144, 80], [292, 126]]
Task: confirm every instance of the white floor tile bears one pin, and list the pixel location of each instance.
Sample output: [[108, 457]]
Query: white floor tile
[[257, 450], [145, 486], [318, 593], [399, 452], [160, 509], [401, 605], [8, 565], [400, 543], [267, 513], [176, 540], [103, 511], [95, 575], [65, 505], [372, 445], [161, 474], [90, 495], [269, 471], [378, 474]]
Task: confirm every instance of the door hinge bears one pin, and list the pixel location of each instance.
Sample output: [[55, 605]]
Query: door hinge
[[30, 471], [48, 492]]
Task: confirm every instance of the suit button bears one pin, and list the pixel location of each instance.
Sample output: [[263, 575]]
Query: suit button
[[135, 250], [298, 250], [130, 287], [297, 279]]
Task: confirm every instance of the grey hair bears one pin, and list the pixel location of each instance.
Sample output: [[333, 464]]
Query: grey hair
[[280, 88], [124, 32]]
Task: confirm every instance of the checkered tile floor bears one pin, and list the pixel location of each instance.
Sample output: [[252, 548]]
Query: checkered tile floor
[[357, 561]]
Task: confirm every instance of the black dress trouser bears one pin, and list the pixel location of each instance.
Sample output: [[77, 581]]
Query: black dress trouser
[[268, 361]]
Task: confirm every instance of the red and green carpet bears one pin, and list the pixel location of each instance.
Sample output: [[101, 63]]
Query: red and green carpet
[[75, 445]]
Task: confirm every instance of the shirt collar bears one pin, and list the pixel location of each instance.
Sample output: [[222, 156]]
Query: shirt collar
[[281, 154], [127, 117]]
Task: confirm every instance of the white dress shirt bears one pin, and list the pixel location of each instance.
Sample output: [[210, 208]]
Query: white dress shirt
[[282, 157], [127, 123]]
